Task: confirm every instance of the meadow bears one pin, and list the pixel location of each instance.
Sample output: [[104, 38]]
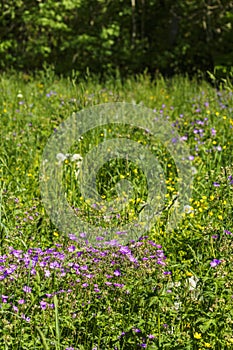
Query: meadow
[[168, 289]]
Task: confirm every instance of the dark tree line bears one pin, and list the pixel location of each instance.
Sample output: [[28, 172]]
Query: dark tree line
[[108, 35]]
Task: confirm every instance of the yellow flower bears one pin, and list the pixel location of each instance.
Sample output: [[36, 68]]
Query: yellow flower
[[207, 345], [197, 335], [55, 234]]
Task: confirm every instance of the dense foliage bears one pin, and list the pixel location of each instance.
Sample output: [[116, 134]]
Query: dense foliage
[[107, 36]]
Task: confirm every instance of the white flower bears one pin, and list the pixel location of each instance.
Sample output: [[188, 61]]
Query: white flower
[[194, 170], [76, 157], [188, 209], [20, 95], [61, 157], [177, 305], [192, 283]]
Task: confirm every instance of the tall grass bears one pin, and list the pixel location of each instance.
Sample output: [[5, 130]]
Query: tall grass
[[165, 290]]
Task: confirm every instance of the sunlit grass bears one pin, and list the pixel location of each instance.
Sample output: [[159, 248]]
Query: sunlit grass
[[167, 289]]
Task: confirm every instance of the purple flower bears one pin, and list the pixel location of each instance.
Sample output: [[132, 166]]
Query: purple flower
[[108, 283], [143, 345], [228, 232], [43, 305], [167, 273], [214, 236], [72, 237], [216, 184], [21, 301], [83, 234], [117, 273], [215, 262], [71, 248], [136, 330], [27, 289], [213, 131], [118, 285], [15, 308], [4, 298], [124, 250], [151, 336], [47, 273], [27, 319]]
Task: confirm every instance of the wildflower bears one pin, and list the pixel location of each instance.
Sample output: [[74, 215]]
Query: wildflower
[[192, 283], [61, 157], [215, 262], [216, 184], [4, 298], [188, 209], [27, 319], [136, 330], [125, 250], [151, 336], [72, 237], [207, 345], [27, 289], [47, 273], [197, 335], [213, 131], [117, 273], [76, 157], [228, 232], [43, 305], [15, 308]]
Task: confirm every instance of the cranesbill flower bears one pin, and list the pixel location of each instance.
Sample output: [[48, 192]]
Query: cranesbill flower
[[124, 250], [15, 308], [27, 289], [43, 305], [4, 298], [215, 262], [27, 319], [136, 330], [117, 273], [151, 336]]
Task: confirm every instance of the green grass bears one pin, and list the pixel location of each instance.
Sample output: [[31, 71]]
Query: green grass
[[72, 302]]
